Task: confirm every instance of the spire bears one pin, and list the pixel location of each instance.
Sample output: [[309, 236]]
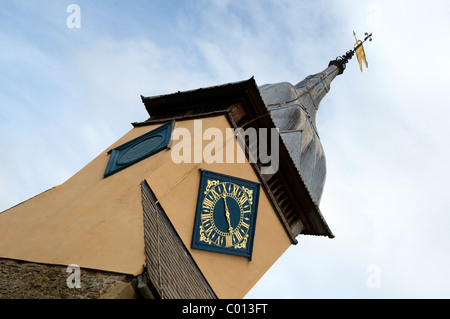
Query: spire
[[293, 109]]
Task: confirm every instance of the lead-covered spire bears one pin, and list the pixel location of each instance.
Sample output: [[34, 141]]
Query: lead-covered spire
[[293, 109]]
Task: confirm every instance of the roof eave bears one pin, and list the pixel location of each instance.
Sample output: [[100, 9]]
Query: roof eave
[[243, 91]]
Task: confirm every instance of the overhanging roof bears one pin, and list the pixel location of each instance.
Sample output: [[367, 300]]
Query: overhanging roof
[[217, 99]]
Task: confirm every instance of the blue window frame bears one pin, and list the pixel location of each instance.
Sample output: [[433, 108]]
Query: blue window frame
[[139, 148]]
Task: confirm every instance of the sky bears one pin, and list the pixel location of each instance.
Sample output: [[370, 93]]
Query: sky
[[68, 91]]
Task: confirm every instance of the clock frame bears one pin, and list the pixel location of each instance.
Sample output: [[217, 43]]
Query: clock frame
[[226, 214]]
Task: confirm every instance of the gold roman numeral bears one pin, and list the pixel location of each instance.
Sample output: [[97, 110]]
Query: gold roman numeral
[[238, 236], [208, 230], [228, 240], [242, 200], [215, 194], [206, 218], [237, 192], [208, 204], [244, 224]]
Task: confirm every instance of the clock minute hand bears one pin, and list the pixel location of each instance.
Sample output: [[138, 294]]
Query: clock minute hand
[[227, 214]]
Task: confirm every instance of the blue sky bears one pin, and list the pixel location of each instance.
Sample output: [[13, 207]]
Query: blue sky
[[67, 94]]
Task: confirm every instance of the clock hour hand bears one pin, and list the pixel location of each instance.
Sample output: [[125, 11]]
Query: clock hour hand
[[227, 214]]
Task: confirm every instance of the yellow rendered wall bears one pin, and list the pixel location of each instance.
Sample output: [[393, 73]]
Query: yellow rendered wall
[[88, 220], [176, 187]]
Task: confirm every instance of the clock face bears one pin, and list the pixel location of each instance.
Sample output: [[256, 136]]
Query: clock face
[[226, 214]]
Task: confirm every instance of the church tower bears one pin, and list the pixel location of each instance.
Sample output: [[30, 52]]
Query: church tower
[[198, 201]]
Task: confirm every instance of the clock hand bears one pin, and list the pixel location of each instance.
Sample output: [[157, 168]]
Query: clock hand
[[227, 214]]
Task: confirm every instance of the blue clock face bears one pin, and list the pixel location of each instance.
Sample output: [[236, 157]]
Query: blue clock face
[[226, 214]]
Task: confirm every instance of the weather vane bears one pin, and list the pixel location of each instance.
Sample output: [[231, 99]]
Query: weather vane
[[358, 48]]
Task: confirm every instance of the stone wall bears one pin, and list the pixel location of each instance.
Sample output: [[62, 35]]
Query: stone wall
[[24, 280]]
